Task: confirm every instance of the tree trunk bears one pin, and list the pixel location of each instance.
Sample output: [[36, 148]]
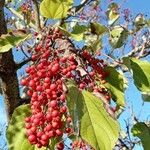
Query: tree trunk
[[8, 73]]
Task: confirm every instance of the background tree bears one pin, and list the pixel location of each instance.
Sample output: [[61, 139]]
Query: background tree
[[78, 56]]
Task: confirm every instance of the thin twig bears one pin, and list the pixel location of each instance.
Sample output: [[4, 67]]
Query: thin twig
[[20, 16], [37, 15], [123, 144], [141, 52], [18, 66], [24, 52], [76, 9], [145, 54], [118, 62], [79, 7]]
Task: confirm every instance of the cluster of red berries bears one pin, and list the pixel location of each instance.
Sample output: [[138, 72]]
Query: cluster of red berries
[[45, 81], [48, 96], [98, 65]]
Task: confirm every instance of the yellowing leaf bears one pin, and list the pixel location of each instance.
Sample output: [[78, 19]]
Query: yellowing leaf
[[118, 35], [55, 9], [96, 126], [16, 137], [115, 83], [98, 29], [16, 131], [77, 32], [141, 75], [113, 13], [9, 41]]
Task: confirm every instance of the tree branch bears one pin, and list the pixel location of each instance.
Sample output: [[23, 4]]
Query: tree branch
[[37, 15], [24, 101], [123, 144], [24, 53], [145, 54], [20, 17], [77, 9], [3, 29], [9, 84], [18, 66], [138, 52]]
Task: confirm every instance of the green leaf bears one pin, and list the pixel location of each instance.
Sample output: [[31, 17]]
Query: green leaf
[[98, 29], [116, 84], [96, 126], [65, 32], [8, 41], [96, 46], [139, 21], [77, 32], [52, 143], [148, 22], [113, 13], [55, 9], [72, 97], [16, 132], [146, 96], [141, 75], [142, 131], [25, 144], [93, 42], [16, 137], [118, 35], [78, 29]]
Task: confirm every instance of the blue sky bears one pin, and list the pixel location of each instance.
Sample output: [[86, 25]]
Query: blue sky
[[133, 97], [139, 6]]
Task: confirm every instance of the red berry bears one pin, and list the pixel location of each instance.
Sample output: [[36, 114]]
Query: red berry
[[59, 132], [55, 113], [55, 68], [53, 103], [62, 97], [48, 127], [47, 80], [49, 117], [23, 82], [60, 146], [55, 125], [32, 138], [39, 134], [53, 86], [44, 137], [39, 88]]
